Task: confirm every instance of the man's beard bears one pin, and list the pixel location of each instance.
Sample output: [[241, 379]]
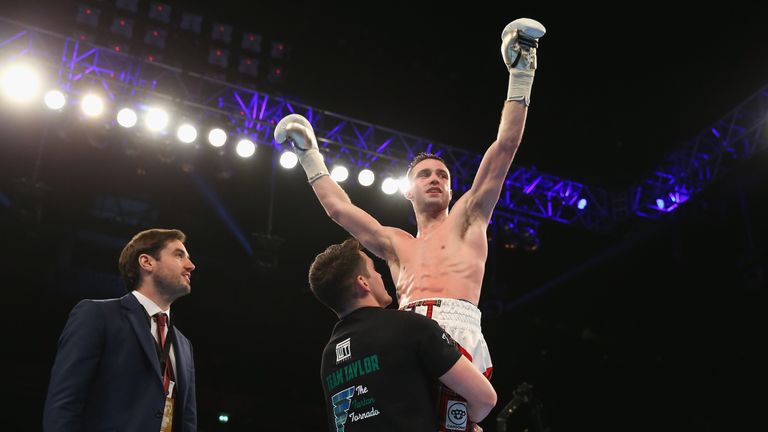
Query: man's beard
[[169, 288]]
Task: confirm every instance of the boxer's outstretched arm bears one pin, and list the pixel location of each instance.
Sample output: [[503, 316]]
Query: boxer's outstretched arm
[[482, 197], [368, 231], [518, 49]]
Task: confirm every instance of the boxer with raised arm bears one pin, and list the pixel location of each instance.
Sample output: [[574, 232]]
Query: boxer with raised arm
[[438, 273]]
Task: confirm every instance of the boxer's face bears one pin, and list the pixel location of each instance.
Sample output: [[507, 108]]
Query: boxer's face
[[376, 283], [430, 185]]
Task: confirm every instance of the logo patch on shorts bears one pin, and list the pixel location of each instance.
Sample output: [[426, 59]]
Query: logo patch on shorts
[[456, 415]]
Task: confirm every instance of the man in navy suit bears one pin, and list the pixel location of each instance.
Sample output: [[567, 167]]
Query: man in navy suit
[[110, 372]]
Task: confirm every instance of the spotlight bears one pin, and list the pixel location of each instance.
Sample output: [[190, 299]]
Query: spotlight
[[84, 36], [252, 42], [55, 100], [404, 184], [217, 137], [288, 159], [389, 186], [279, 50], [20, 83], [122, 26], [186, 133], [660, 203], [87, 15], [92, 105], [160, 12], [218, 57], [339, 173], [156, 37], [120, 47], [366, 177], [275, 75], [245, 148], [581, 204], [249, 66], [127, 118], [221, 32], [156, 119]]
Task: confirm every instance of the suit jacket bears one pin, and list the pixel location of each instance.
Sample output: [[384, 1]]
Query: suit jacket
[[106, 376]]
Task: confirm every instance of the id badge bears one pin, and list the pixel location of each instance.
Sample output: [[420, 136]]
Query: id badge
[[167, 423]]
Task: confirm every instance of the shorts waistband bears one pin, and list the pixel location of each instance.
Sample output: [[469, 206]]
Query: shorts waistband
[[453, 309]]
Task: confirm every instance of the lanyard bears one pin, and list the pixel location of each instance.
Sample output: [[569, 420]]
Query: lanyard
[[163, 354]]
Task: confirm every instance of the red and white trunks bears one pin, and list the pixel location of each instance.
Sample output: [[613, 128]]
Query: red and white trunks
[[461, 319]]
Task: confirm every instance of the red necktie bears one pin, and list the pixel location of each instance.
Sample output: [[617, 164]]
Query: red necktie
[[162, 320]]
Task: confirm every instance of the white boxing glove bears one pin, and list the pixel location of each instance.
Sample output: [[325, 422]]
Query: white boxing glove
[[298, 130], [519, 42]]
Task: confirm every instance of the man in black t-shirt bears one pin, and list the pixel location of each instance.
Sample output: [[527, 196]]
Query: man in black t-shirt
[[380, 367]]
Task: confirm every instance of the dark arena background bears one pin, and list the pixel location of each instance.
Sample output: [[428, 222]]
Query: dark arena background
[[626, 280]]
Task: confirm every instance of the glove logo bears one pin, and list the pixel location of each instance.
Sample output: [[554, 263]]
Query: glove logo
[[456, 415]]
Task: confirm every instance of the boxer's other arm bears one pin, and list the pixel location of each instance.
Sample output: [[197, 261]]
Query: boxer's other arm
[[469, 383], [367, 230], [364, 227]]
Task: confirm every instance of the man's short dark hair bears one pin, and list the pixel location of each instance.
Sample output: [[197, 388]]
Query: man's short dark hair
[[420, 157], [333, 272], [149, 242]]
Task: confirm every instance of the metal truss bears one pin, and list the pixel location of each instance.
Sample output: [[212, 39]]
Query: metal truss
[[714, 151], [248, 112]]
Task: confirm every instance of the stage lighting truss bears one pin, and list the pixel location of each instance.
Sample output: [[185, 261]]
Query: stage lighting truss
[[244, 113], [714, 151]]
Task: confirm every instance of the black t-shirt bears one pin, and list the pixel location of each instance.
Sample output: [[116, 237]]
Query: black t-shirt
[[380, 368]]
